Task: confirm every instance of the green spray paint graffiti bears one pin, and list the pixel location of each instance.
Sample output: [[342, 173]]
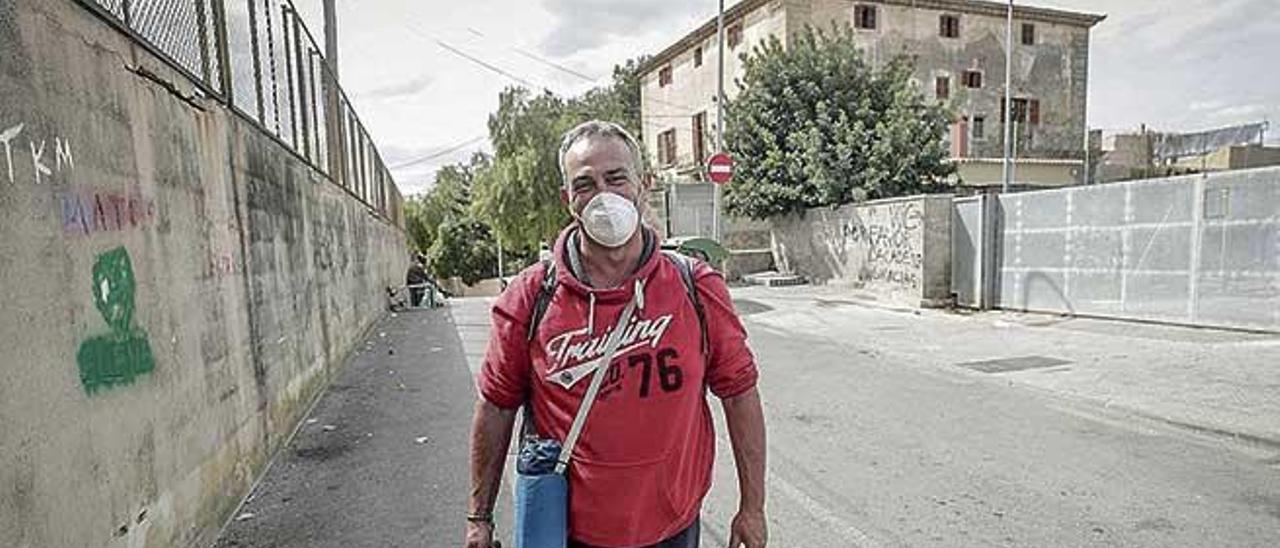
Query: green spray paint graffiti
[[118, 357]]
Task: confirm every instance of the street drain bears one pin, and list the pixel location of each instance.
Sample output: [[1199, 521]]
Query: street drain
[[747, 307], [1007, 365]]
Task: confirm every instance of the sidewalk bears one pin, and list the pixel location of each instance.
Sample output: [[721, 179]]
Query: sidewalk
[[382, 458], [1215, 382]]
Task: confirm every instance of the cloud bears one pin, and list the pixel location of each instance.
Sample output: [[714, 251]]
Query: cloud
[[398, 89], [588, 24]]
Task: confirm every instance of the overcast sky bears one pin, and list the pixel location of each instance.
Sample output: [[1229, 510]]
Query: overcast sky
[[1172, 64]]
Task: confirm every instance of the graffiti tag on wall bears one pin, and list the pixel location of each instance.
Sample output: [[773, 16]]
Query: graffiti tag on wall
[[123, 354], [86, 211], [45, 159], [885, 241]]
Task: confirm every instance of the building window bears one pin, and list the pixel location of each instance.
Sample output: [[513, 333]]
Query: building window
[[697, 57], [667, 147], [978, 126], [1025, 111], [942, 87], [733, 35], [1028, 34], [949, 26], [699, 137], [664, 76], [864, 17], [973, 79]]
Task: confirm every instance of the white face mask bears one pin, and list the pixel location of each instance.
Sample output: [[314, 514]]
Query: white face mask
[[610, 219]]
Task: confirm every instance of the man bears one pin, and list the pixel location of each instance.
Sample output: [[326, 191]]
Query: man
[[643, 462], [416, 279]]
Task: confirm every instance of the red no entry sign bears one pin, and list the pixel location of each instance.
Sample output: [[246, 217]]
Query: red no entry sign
[[720, 168]]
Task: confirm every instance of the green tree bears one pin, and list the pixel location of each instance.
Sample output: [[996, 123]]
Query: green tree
[[816, 125], [449, 198], [464, 248], [519, 196]]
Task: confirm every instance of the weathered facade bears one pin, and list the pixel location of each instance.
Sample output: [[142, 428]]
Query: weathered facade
[[959, 47]]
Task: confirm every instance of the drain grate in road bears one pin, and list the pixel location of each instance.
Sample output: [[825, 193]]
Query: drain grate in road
[[747, 307], [1007, 365]]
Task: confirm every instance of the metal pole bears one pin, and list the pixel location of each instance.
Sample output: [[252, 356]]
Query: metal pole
[[331, 36], [334, 120], [1008, 99], [497, 239], [715, 197]]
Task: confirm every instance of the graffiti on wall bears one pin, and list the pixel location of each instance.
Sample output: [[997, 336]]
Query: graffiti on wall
[[88, 211], [885, 243], [47, 157], [123, 354]]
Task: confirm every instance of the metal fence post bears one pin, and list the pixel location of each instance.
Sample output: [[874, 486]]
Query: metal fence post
[[203, 24], [257, 62], [224, 57]]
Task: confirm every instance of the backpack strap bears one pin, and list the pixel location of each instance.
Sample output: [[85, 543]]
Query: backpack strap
[[684, 265], [546, 290]]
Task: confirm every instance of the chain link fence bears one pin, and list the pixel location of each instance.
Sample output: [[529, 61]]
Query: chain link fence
[[259, 58]]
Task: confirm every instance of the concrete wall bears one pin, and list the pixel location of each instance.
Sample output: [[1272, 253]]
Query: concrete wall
[[898, 250], [177, 288], [1199, 249]]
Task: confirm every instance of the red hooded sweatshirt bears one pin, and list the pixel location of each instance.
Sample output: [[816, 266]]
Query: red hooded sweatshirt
[[643, 462]]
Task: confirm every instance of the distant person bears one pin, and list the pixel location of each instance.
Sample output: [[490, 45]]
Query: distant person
[[417, 279], [643, 463]]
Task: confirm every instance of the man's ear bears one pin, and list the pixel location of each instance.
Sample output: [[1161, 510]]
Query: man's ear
[[564, 196]]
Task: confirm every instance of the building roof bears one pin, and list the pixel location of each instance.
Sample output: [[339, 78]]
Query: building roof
[[979, 7], [1021, 161]]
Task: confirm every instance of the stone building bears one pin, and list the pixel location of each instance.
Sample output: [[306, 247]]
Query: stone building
[[959, 47]]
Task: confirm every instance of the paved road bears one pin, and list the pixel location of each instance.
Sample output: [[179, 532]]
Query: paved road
[[869, 446]]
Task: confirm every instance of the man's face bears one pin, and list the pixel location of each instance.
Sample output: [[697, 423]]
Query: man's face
[[599, 164]]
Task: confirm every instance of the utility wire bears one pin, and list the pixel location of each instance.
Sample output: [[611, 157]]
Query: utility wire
[[487, 66], [438, 154]]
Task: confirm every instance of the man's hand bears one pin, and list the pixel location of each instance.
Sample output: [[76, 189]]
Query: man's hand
[[479, 535], [748, 530]]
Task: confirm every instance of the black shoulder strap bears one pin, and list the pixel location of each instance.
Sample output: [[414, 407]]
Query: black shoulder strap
[[546, 290], [685, 266]]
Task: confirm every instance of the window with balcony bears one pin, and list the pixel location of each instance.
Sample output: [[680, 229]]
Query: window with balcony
[[1025, 111], [973, 79]]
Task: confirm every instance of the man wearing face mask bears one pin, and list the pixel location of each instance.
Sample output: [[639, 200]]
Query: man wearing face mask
[[643, 461]]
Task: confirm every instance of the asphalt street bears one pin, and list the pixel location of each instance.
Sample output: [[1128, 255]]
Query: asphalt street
[[873, 441]]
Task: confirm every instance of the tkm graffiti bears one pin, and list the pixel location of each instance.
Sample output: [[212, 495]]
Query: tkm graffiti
[[40, 154], [124, 354]]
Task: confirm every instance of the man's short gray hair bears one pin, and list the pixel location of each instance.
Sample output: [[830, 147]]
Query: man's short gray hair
[[600, 128]]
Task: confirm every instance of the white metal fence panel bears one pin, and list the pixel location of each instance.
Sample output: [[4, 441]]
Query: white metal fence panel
[[1199, 250]]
